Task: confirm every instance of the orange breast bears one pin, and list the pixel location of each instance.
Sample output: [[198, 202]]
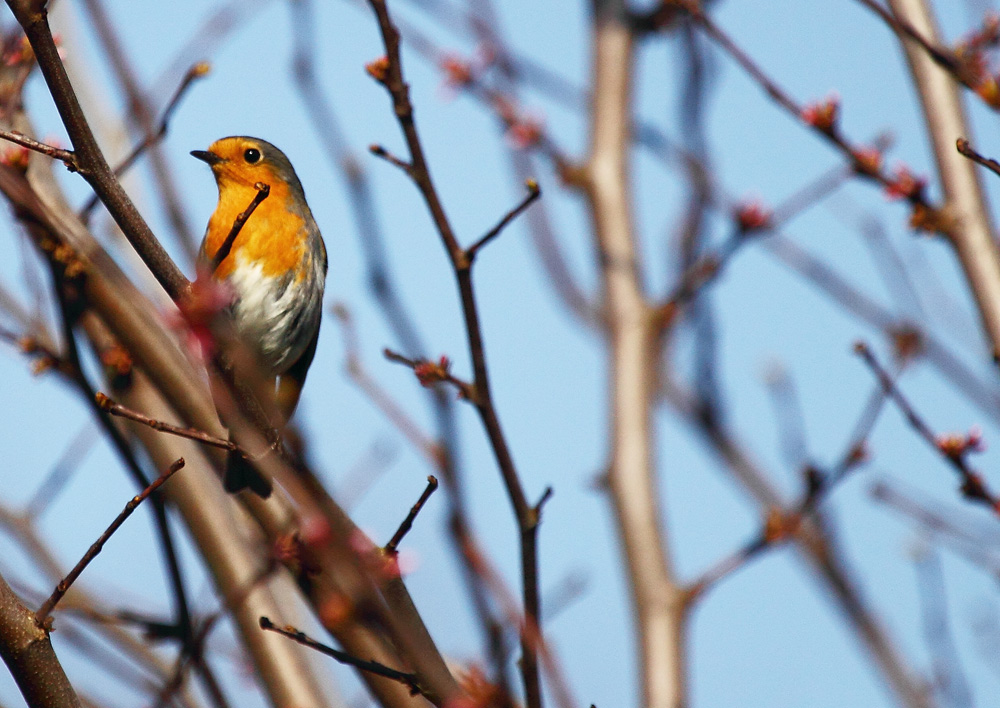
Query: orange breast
[[273, 236]]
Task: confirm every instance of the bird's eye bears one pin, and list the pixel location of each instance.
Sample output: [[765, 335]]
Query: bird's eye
[[252, 156]]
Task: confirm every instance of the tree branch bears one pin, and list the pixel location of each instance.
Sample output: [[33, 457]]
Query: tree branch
[[389, 72], [972, 235], [42, 615], [28, 653], [657, 600], [90, 161]]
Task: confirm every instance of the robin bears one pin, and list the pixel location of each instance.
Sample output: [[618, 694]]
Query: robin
[[276, 270]]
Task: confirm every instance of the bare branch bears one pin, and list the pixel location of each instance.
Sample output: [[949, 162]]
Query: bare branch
[[389, 72], [42, 615], [194, 73], [962, 145], [89, 159], [67, 157], [407, 523], [657, 599], [533, 193], [944, 115], [220, 255], [382, 152], [109, 405], [954, 449], [27, 651], [373, 667], [430, 372]]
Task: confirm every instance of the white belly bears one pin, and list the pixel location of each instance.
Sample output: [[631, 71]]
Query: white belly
[[276, 316]]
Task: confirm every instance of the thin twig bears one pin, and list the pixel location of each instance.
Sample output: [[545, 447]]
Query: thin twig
[[973, 486], [114, 408], [533, 193], [531, 633], [71, 305], [380, 151], [68, 157], [429, 372], [501, 98], [373, 667], [194, 73], [442, 452], [866, 162], [42, 615], [263, 190], [942, 56], [818, 273], [389, 72], [404, 528], [781, 526], [962, 145], [87, 154]]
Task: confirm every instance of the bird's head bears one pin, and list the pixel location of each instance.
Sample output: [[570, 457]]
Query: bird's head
[[243, 161]]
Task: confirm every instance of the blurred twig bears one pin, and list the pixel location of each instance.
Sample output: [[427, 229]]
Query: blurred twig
[[954, 449]]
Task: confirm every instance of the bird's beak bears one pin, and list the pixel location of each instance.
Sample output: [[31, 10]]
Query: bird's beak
[[207, 156]]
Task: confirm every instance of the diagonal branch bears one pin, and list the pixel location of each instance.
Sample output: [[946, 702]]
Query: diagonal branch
[[109, 405], [43, 613], [407, 523], [533, 193], [220, 255], [33, 18], [373, 667]]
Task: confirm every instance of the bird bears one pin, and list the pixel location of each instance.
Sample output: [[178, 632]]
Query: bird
[[276, 270]]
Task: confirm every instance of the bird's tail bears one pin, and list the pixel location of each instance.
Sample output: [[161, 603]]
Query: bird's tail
[[241, 474]]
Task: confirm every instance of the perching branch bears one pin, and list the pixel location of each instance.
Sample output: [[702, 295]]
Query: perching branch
[[116, 409]]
